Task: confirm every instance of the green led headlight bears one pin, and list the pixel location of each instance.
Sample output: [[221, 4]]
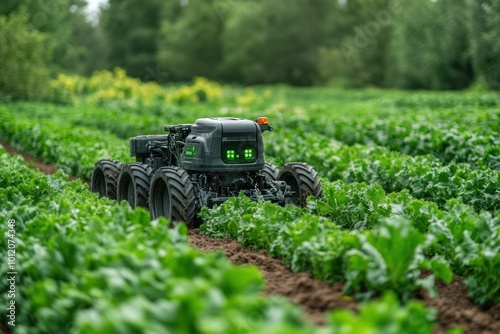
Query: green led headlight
[[238, 152], [230, 154], [248, 153], [190, 152]]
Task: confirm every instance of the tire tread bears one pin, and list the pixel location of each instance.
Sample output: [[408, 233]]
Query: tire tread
[[307, 179], [111, 170]]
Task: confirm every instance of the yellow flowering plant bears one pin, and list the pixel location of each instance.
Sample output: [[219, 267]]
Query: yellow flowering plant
[[106, 86]]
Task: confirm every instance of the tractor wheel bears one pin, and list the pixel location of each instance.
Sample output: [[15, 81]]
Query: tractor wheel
[[133, 184], [303, 180], [270, 172], [105, 177], [173, 196]]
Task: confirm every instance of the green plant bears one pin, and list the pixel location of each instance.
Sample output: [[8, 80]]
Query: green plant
[[25, 55], [384, 316], [390, 258], [85, 264]]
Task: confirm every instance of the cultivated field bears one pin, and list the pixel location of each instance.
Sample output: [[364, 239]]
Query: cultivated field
[[408, 225]]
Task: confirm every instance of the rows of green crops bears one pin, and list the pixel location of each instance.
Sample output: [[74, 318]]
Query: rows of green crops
[[74, 149], [449, 142], [350, 205], [479, 110], [426, 177], [429, 174], [88, 265], [453, 127], [401, 236]]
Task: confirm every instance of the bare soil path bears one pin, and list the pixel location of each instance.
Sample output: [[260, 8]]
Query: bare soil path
[[301, 288]]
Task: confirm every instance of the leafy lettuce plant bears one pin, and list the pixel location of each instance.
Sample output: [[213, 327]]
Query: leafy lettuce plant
[[471, 242], [304, 241], [391, 258]]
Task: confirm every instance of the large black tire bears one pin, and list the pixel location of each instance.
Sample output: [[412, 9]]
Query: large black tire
[[105, 178], [173, 196], [133, 184], [303, 180], [270, 172]]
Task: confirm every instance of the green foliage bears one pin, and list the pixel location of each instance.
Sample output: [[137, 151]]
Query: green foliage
[[483, 284], [467, 240], [484, 30], [472, 243], [307, 136], [448, 141], [74, 149], [384, 43], [305, 242], [361, 206], [429, 47], [423, 176], [93, 266], [304, 121], [86, 50], [69, 37], [118, 90], [387, 258], [24, 58], [131, 29], [43, 16], [274, 41], [364, 29], [390, 258], [190, 45], [384, 316], [353, 206]]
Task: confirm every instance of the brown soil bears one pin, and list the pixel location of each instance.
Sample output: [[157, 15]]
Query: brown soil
[[455, 308], [301, 288], [453, 305], [316, 298]]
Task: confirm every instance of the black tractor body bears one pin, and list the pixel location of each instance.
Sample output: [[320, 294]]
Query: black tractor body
[[202, 164]]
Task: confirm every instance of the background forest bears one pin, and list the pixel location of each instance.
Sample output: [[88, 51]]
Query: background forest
[[417, 44]]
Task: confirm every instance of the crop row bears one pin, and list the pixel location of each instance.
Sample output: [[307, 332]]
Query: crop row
[[40, 140], [85, 264], [462, 129], [473, 109], [122, 123], [469, 241], [457, 107], [94, 266], [387, 258], [73, 149], [399, 230], [117, 89], [425, 177], [448, 142], [77, 148], [462, 136]]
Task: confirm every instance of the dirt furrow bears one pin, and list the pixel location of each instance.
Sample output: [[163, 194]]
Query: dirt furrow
[[301, 288]]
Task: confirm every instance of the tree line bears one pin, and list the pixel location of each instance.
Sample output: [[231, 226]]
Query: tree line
[[408, 44]]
